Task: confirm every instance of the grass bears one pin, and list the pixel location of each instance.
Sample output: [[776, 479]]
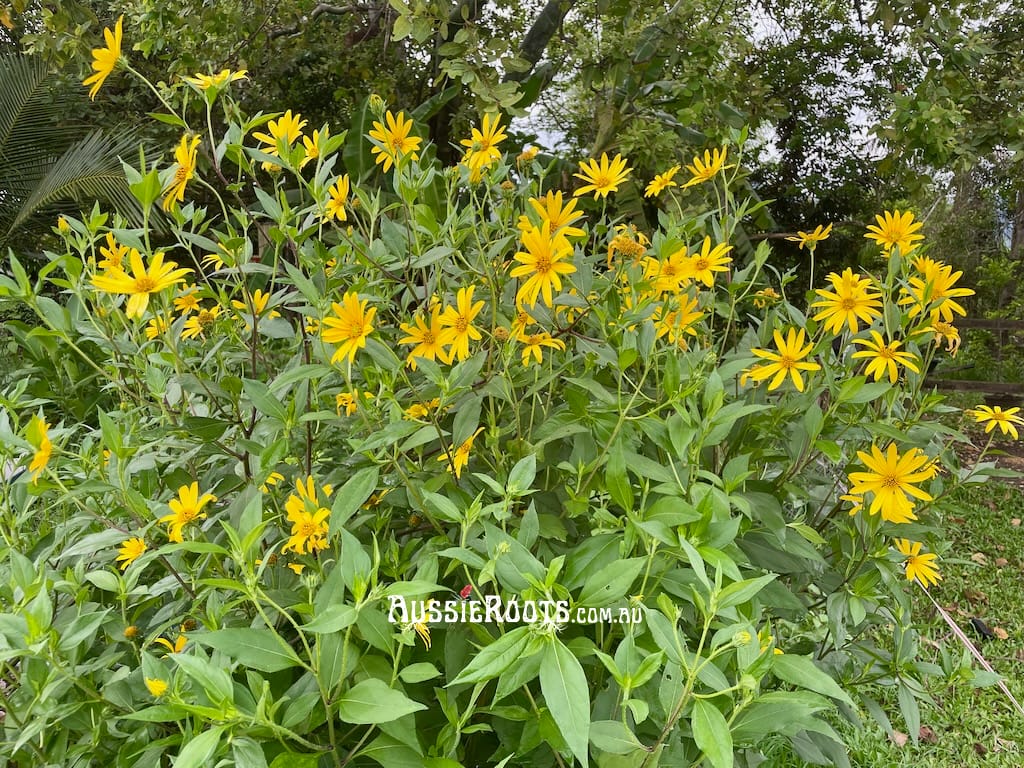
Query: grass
[[983, 572]]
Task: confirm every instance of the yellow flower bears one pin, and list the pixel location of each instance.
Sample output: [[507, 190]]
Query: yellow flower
[[422, 410], [187, 301], [667, 275], [62, 225], [156, 687], [852, 300], [308, 519], [427, 338], [522, 319], [350, 401], [601, 178], [142, 282], [113, 253], [918, 566], [206, 82], [105, 59], [259, 301], [130, 551], [856, 502], [765, 297], [457, 458], [156, 326], [945, 332], [296, 568], [526, 155], [394, 141], [184, 509], [198, 324], [661, 182], [884, 357], [311, 146], [339, 196], [185, 156], [422, 628], [130, 632], [287, 128], [895, 230], [890, 478], [39, 437], [272, 479], [630, 242], [702, 266], [677, 323], [934, 291], [458, 324], [787, 361], [994, 416], [351, 326], [551, 210], [482, 146], [714, 162], [534, 342], [177, 647], [542, 261], [811, 239]]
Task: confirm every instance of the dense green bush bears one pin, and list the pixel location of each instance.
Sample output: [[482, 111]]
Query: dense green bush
[[257, 453]]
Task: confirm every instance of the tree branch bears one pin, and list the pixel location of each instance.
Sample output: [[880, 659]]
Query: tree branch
[[319, 10], [540, 34]]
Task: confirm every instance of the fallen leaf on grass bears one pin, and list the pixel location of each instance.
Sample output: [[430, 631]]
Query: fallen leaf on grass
[[1015, 522], [1001, 562], [980, 558], [958, 520], [927, 735], [899, 738], [975, 595], [980, 749], [1001, 633]]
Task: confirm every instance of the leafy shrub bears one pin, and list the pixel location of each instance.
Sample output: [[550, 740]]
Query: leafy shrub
[[323, 405]]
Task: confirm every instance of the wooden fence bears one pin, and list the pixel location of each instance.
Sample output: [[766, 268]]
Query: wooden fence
[[1007, 333]]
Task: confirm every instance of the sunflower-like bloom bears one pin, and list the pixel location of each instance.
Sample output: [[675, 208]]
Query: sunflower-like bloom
[[560, 217], [308, 518], [482, 146], [811, 239], [920, 567], [933, 290], [156, 687], [526, 155], [351, 326], [130, 551], [602, 178], [142, 282], [458, 325], [542, 261], [661, 182], [885, 358], [176, 647], [225, 76], [713, 164], [702, 266], [113, 253], [288, 128], [787, 361], [188, 300], [945, 332], [338, 197], [851, 302], [156, 326], [394, 141], [311, 146], [765, 297], [258, 301], [349, 401], [426, 335], [185, 157], [457, 458], [199, 323], [533, 343], [677, 324], [628, 241], [422, 410], [891, 480], [668, 275], [39, 437], [995, 416], [105, 59], [895, 230], [184, 509]]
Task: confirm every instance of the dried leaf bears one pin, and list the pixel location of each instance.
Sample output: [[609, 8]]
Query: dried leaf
[[927, 735], [1015, 522], [976, 595], [899, 738], [980, 558], [1001, 562], [980, 749], [1001, 633]]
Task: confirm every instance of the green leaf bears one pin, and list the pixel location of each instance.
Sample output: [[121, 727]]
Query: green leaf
[[741, 591], [495, 658], [334, 619], [711, 733], [351, 496], [214, 680], [295, 760], [371, 701], [567, 695], [265, 402], [255, 648], [611, 582], [614, 737], [200, 749], [417, 673], [802, 672]]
